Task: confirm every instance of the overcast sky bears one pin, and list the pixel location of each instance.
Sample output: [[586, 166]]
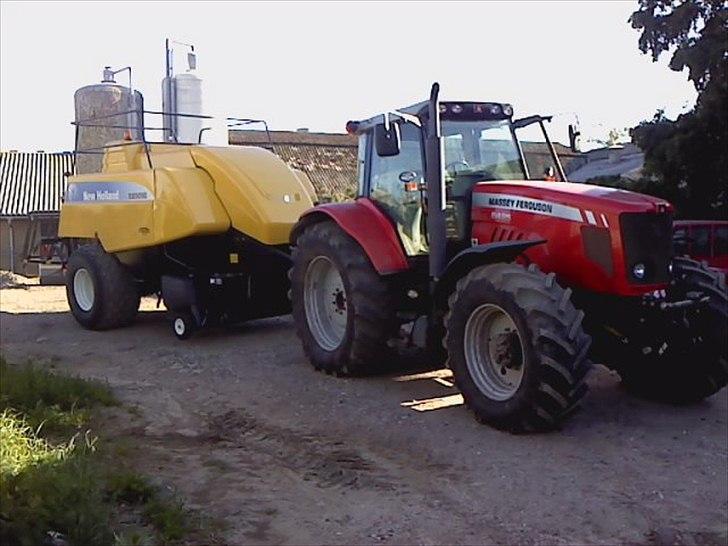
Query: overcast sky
[[318, 65]]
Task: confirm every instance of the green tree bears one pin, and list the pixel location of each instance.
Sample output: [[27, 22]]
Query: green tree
[[686, 159]]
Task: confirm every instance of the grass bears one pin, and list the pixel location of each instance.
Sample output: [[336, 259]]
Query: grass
[[48, 400], [46, 487], [73, 486]]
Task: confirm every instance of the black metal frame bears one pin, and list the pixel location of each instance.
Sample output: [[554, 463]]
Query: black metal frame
[[100, 150]]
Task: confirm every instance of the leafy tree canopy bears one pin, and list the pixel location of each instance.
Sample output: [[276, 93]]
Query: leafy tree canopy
[[686, 159]]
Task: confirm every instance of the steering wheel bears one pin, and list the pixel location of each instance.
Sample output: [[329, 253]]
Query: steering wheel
[[450, 167]]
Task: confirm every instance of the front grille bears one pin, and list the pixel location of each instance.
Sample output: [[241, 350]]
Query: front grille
[[647, 239]]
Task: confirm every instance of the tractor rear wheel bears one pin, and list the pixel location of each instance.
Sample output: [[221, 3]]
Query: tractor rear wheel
[[694, 362], [101, 292], [516, 347], [341, 305]]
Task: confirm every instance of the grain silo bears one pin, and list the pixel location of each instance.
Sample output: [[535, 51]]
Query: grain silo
[[105, 112]]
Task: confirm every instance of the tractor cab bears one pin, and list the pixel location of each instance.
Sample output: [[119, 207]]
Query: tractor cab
[[479, 143]]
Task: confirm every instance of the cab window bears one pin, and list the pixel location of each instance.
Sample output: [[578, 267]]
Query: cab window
[[720, 245], [388, 190], [700, 236]]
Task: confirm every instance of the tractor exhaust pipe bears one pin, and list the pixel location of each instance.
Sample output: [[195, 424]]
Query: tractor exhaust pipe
[[435, 181]]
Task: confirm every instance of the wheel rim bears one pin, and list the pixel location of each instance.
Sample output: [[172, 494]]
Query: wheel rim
[[494, 352], [325, 302], [179, 326], [83, 289]]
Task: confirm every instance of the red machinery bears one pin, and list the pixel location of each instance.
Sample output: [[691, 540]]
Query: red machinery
[[451, 244]]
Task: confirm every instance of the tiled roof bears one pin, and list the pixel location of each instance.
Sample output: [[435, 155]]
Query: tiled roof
[[32, 182], [328, 159], [260, 138]]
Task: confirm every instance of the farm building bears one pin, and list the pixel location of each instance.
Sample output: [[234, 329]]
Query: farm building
[[31, 188]]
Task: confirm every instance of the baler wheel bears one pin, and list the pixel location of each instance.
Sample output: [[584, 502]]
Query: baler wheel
[[101, 292], [700, 369], [341, 305], [183, 325], [516, 347]]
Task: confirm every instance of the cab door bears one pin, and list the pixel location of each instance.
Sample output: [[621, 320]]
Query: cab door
[[391, 183]]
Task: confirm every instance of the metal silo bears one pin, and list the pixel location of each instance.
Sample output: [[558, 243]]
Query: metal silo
[[181, 94], [105, 112]]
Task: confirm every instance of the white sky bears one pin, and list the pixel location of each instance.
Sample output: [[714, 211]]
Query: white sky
[[318, 65]]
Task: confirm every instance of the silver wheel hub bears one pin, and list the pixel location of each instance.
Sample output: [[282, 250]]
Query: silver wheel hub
[[83, 289], [325, 302], [494, 352], [179, 326]]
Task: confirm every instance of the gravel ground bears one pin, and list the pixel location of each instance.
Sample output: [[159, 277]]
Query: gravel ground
[[249, 433]]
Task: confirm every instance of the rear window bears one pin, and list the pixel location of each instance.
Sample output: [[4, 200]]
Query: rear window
[[720, 246], [701, 240]]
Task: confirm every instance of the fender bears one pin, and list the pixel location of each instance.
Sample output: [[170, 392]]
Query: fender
[[367, 225], [466, 260]]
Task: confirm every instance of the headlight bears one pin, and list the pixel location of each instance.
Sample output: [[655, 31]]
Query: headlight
[[508, 110], [639, 271]]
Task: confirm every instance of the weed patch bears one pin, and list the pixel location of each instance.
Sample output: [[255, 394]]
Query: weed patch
[[70, 487], [48, 400]]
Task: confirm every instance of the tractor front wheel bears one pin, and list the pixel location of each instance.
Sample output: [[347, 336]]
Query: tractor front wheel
[[516, 347], [341, 305]]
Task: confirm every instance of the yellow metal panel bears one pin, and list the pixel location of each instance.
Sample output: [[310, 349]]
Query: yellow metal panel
[[263, 197], [306, 183], [117, 225], [192, 190], [185, 204]]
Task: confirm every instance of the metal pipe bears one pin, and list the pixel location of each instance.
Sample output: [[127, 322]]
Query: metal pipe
[[11, 233], [436, 226], [554, 155]]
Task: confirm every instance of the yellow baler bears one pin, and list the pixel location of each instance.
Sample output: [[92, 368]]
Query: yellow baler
[[207, 228]]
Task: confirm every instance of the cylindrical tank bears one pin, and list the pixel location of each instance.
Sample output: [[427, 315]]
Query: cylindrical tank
[[103, 101], [188, 100]]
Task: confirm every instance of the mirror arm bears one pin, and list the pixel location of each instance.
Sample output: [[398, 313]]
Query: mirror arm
[[552, 149]]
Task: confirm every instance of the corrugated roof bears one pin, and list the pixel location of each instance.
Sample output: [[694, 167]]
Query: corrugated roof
[[33, 182]]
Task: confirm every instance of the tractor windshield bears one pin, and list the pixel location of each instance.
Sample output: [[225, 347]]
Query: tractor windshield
[[482, 149]]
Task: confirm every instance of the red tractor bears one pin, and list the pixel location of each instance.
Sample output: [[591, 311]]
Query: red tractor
[[452, 245]]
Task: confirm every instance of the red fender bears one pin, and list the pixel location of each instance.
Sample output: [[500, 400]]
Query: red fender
[[368, 226]]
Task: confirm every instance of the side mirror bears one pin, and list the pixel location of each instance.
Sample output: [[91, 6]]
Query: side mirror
[[387, 141], [574, 135], [192, 61]]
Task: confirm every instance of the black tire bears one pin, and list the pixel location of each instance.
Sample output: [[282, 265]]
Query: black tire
[[700, 368], [369, 319], [115, 299], [183, 325], [553, 345]]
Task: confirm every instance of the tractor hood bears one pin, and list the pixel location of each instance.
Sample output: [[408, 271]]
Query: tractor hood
[[537, 194]]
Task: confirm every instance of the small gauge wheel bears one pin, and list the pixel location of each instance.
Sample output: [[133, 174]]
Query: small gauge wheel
[[183, 325]]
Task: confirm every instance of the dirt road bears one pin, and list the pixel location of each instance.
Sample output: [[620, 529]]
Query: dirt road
[[249, 433]]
